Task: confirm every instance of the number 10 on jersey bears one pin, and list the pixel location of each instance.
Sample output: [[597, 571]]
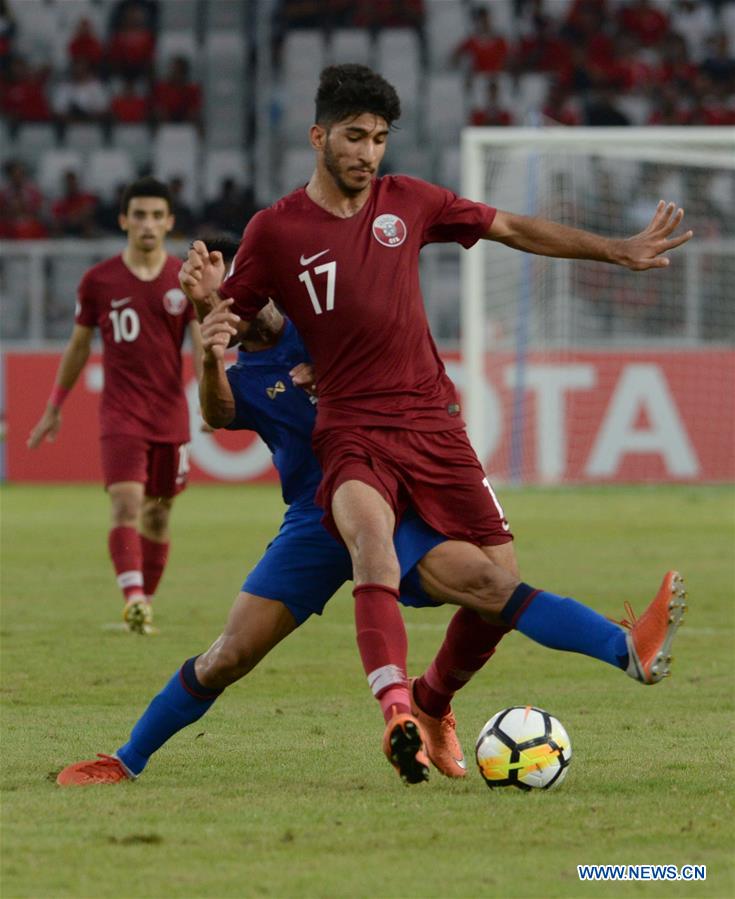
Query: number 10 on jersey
[[330, 269]]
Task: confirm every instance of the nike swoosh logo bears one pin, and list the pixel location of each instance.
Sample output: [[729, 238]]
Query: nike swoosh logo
[[122, 302], [305, 261]]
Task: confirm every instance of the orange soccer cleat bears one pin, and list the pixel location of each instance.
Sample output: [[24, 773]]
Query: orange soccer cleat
[[105, 769], [650, 637], [440, 737], [404, 748]]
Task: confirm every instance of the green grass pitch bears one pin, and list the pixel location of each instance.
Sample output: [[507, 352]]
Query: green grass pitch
[[282, 789]]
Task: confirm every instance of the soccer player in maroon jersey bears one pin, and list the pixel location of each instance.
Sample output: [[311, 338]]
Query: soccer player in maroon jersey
[[143, 316], [340, 256]]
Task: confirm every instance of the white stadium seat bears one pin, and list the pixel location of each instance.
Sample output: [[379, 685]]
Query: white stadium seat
[[52, 166], [221, 164], [107, 169]]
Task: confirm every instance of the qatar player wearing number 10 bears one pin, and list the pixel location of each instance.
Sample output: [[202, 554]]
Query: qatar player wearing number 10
[[143, 316], [340, 257]]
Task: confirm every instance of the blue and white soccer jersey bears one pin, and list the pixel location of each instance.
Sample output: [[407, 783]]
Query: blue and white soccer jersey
[[304, 566]]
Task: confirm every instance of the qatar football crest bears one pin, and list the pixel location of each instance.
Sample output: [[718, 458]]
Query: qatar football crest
[[174, 301], [389, 230]]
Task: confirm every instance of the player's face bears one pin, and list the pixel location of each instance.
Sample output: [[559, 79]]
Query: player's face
[[353, 150], [147, 222]]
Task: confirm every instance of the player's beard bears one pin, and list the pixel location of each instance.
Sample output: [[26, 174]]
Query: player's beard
[[332, 166]]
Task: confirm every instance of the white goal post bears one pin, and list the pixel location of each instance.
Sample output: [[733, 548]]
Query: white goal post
[[580, 371]]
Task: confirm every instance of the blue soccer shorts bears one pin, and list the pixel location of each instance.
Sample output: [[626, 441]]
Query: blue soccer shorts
[[304, 566]]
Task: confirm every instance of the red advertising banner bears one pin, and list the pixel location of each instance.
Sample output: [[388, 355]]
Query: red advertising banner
[[584, 417]]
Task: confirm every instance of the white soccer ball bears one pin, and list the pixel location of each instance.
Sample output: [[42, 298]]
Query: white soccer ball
[[523, 747]]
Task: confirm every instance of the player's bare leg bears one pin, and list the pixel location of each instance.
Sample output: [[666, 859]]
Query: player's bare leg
[[366, 522], [126, 504], [255, 625]]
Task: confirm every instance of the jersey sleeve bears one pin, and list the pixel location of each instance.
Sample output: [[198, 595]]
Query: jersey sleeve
[[250, 282], [86, 308], [243, 420], [453, 219]]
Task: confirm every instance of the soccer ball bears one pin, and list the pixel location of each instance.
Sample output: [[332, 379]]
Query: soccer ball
[[524, 748]]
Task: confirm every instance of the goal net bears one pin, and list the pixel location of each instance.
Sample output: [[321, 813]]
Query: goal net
[[578, 371]]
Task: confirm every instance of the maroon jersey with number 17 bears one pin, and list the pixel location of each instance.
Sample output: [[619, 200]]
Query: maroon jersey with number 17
[[351, 287], [143, 325]]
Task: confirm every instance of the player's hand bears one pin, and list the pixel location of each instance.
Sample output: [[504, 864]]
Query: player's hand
[[218, 327], [303, 376], [644, 250], [47, 427], [200, 275]]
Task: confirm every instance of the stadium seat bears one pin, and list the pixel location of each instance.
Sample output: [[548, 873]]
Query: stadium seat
[[303, 57], [398, 60], [450, 169], [84, 138], [52, 166], [225, 88], [532, 91], [298, 165], [226, 15], [297, 110], [350, 45], [182, 16], [107, 169], [177, 43], [221, 164], [176, 154], [136, 139], [64, 276], [36, 36], [32, 141], [15, 300], [5, 147], [446, 26], [446, 112]]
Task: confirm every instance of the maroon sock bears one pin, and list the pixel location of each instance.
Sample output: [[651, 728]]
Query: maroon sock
[[127, 560], [383, 645], [155, 556], [469, 642]]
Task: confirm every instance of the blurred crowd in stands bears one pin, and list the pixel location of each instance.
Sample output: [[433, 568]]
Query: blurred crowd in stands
[[675, 56]]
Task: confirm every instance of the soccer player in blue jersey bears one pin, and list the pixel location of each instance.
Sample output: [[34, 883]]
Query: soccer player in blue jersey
[[304, 565]]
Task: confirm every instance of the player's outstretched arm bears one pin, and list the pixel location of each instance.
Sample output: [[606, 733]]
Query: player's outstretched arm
[[638, 253], [215, 394], [201, 274], [71, 365]]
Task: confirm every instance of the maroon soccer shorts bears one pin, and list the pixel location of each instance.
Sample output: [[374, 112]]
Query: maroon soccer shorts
[[437, 473], [161, 467]]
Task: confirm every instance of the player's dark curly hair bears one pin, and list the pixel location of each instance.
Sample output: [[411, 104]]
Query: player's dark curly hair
[[145, 187], [350, 90], [223, 241]]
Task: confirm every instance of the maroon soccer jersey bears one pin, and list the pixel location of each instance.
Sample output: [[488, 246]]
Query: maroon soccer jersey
[[351, 287], [143, 324]]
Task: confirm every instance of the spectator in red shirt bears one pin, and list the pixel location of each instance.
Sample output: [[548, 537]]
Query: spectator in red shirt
[[23, 93], [492, 112], [646, 22], [669, 110], [130, 49], [130, 106], [73, 214], [483, 51], [560, 106], [675, 66], [85, 44], [21, 205], [176, 98], [543, 50]]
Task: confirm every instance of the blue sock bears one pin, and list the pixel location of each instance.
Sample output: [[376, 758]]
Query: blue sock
[[562, 623], [182, 701]]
